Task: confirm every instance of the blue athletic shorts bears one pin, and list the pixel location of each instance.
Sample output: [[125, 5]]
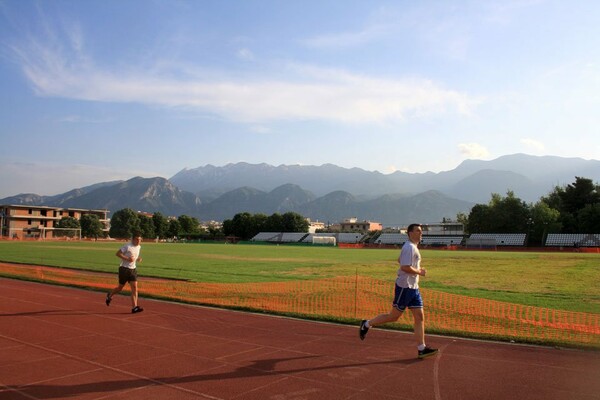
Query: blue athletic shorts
[[406, 297]]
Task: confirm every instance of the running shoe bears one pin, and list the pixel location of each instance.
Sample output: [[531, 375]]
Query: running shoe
[[427, 351], [362, 332]]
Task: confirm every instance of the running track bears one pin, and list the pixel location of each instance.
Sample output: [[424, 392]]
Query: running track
[[64, 343]]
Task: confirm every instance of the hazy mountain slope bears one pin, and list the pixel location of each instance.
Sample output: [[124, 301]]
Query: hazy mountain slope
[[530, 177]]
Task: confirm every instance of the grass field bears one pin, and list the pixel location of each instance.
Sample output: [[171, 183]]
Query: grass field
[[550, 280]]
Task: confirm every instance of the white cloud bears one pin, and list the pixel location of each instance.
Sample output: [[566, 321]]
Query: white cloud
[[260, 129], [533, 144], [245, 54], [81, 119], [347, 39], [312, 93], [473, 150]]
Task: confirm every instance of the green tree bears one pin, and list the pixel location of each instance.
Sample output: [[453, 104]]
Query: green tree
[[580, 194], [67, 223], [274, 223], [479, 220], [260, 222], [174, 228], [188, 225], [242, 226], [161, 225], [463, 219], [214, 230], [294, 222], [511, 214], [571, 200], [124, 223], [502, 215], [147, 227], [91, 226], [246, 226], [545, 220], [589, 218]]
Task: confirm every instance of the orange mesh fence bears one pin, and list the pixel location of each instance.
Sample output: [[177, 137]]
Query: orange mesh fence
[[354, 297]]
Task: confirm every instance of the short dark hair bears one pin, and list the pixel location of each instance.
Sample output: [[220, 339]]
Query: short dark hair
[[412, 227]]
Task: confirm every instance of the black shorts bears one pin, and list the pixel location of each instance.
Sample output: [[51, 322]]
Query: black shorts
[[127, 275]]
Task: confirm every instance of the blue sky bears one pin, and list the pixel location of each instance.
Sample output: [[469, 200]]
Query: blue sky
[[94, 91]]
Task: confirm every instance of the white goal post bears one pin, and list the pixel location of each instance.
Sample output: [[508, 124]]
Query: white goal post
[[328, 240], [60, 233]]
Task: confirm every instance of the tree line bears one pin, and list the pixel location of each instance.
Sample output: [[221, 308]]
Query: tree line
[[124, 223], [245, 225], [574, 208]]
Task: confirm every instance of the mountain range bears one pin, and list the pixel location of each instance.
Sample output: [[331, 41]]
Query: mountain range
[[327, 192]]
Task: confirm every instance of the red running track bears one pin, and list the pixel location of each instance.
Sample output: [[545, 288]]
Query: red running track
[[64, 343]]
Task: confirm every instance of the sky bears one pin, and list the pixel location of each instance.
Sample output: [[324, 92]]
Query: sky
[[101, 90]]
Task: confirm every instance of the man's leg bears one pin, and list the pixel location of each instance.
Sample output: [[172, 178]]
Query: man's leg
[[392, 316], [116, 290], [112, 293], [419, 327], [381, 319], [134, 293]]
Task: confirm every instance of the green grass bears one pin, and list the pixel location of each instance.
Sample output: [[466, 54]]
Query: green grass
[[569, 281]]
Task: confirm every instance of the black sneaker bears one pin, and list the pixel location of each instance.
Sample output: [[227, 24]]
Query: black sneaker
[[427, 351], [136, 309], [362, 332], [108, 299]]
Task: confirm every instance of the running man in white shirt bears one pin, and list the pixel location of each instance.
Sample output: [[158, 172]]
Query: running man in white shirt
[[130, 256], [407, 292]]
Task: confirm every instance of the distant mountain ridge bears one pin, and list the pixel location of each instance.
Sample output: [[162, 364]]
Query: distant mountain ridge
[[326, 193], [530, 177]]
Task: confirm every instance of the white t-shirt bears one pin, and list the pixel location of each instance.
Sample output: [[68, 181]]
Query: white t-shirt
[[130, 250], [409, 255]]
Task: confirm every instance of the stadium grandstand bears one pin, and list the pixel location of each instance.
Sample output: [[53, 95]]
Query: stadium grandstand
[[499, 239], [266, 237], [441, 240], [299, 237], [391, 238], [475, 240], [573, 240]]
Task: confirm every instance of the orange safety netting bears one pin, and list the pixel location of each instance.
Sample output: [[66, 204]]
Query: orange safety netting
[[353, 297]]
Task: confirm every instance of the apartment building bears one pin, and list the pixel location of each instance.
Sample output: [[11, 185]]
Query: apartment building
[[39, 222], [353, 224]]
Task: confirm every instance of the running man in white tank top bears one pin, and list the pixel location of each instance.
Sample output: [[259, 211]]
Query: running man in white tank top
[[407, 293]]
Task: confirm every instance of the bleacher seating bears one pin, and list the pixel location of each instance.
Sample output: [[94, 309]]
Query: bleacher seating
[[339, 237], [391, 238], [292, 237], [266, 237], [573, 240], [502, 239], [349, 237], [441, 240]]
